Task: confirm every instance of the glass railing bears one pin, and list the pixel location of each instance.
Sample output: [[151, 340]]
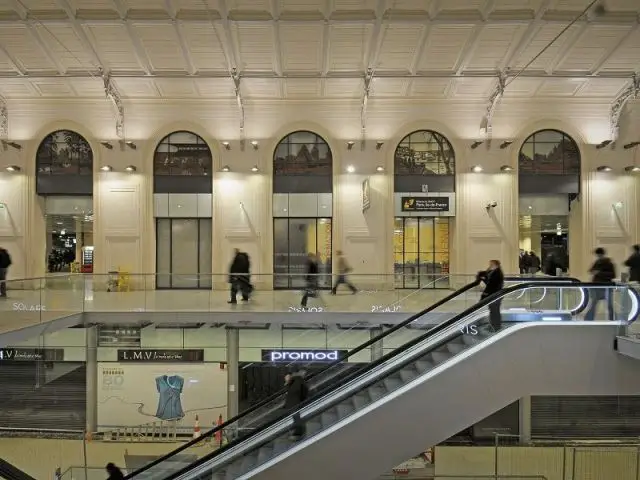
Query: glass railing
[[395, 336]]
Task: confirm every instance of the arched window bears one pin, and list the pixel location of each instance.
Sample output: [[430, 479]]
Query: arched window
[[302, 153], [64, 152], [549, 152], [182, 154], [424, 152]]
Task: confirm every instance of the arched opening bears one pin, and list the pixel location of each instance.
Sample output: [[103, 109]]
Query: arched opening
[[302, 208], [64, 177], [424, 191], [183, 204], [548, 182]]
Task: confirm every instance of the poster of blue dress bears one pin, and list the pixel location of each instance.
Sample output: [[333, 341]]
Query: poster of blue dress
[[144, 394]]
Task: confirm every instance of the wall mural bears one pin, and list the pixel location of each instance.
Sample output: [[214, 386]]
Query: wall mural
[[549, 152], [182, 153], [64, 152], [302, 153], [424, 153]]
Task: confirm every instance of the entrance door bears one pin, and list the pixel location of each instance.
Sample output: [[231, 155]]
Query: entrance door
[[183, 253]]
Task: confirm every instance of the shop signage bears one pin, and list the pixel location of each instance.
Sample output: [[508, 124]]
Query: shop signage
[[141, 356], [32, 354], [366, 195], [425, 204], [303, 356]]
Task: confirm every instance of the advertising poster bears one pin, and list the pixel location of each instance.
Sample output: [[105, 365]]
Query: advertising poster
[[131, 394]]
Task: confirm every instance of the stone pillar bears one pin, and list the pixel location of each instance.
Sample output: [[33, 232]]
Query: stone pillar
[[233, 366], [92, 379], [525, 420], [79, 239], [377, 348]]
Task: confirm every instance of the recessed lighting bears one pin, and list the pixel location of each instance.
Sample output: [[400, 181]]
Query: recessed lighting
[[631, 145], [632, 168], [476, 169], [226, 145], [131, 145], [350, 144], [255, 168], [107, 145], [604, 168], [106, 168], [476, 144], [603, 144], [505, 144], [254, 144], [15, 145], [13, 168], [131, 168], [226, 168], [506, 168], [351, 169], [379, 168], [379, 145]]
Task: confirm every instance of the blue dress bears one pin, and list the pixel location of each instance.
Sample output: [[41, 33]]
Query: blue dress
[[170, 389]]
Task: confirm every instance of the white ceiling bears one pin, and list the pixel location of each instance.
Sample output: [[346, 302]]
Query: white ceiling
[[294, 49]]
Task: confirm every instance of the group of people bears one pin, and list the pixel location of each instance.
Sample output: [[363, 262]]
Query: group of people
[[530, 263]]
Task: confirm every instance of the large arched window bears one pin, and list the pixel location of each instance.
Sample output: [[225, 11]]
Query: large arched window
[[64, 152], [424, 152], [182, 153], [549, 152], [302, 153]]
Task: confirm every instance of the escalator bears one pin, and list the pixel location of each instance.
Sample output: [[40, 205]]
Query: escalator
[[539, 298], [11, 472]]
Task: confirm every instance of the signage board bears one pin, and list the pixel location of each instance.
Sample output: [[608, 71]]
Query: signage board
[[366, 195], [166, 356], [32, 354], [425, 204], [302, 356]]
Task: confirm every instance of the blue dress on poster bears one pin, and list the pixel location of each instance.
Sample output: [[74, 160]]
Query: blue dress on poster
[[170, 389]]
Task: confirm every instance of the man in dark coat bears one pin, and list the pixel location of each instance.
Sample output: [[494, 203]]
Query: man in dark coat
[[297, 393], [633, 262], [240, 276], [5, 263], [493, 279]]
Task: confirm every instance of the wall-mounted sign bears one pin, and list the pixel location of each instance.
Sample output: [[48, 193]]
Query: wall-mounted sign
[[425, 204], [366, 195], [302, 356], [32, 354], [160, 355]]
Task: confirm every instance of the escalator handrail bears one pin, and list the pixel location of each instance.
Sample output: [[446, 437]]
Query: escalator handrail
[[11, 472], [350, 353], [344, 384]]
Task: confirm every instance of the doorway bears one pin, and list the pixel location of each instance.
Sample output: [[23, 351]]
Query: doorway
[[547, 236], [183, 253]]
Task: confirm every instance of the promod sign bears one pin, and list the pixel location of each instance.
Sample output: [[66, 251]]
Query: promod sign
[[302, 356], [425, 204]]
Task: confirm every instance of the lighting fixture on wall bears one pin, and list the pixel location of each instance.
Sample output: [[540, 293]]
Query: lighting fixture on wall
[[604, 143], [7, 143], [379, 168], [13, 168], [603, 168], [350, 144], [631, 145], [476, 169], [351, 169], [254, 144], [476, 144], [226, 168], [106, 145], [506, 168], [632, 168], [255, 168], [106, 168], [226, 145], [131, 168], [131, 145], [505, 144], [379, 145]]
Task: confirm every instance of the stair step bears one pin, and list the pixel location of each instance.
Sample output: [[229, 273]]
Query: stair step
[[345, 409], [392, 383], [360, 400], [264, 455], [423, 365], [407, 374], [439, 357], [455, 348], [328, 418], [376, 391]]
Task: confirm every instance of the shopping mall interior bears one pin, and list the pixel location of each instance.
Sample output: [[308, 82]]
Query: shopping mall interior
[[200, 198]]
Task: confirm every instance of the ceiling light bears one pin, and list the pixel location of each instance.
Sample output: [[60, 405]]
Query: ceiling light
[[603, 144], [505, 144], [107, 145], [476, 169], [631, 145], [379, 145], [131, 168], [15, 145], [226, 145], [350, 144], [379, 168], [131, 145], [632, 168], [106, 168], [254, 144], [351, 169], [603, 168], [255, 168], [506, 168], [13, 168], [476, 144], [226, 168]]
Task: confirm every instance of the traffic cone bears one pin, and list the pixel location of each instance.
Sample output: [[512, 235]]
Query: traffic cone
[[196, 428], [219, 432]]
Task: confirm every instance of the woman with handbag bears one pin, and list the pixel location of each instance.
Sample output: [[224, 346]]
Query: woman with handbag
[[343, 270]]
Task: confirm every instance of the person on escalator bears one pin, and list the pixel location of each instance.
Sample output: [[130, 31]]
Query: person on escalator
[[493, 279], [297, 393], [114, 472], [604, 272]]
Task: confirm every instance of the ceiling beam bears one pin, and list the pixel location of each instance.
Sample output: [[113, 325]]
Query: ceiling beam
[[607, 56], [468, 50], [138, 49], [326, 37], [13, 62], [186, 54], [277, 47], [35, 35], [422, 46], [4, 119], [566, 48]]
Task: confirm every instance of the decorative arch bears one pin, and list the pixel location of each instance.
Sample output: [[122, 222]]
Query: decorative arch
[[424, 152], [549, 152], [64, 152], [182, 153], [302, 153]]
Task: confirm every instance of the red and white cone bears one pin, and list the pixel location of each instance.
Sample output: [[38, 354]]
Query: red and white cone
[[196, 428]]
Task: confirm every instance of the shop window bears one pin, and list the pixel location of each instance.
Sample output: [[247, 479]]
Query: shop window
[[182, 154], [64, 152], [549, 152], [302, 153], [293, 240], [421, 252], [424, 153]]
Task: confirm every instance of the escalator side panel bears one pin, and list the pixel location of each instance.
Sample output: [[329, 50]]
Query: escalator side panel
[[531, 359]]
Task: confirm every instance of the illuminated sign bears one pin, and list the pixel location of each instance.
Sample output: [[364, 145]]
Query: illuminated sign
[[32, 354], [425, 204], [302, 356], [161, 355]]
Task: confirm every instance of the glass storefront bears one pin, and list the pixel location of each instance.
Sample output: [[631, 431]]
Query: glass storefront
[[293, 240], [421, 252]]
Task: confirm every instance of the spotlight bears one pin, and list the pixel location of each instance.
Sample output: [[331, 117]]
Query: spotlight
[[254, 144], [351, 169], [604, 143], [379, 145], [476, 144], [631, 145], [379, 168], [131, 168], [505, 144], [632, 168], [350, 144], [226, 145], [7, 143], [13, 168], [106, 168], [506, 168], [603, 168], [255, 168], [131, 145], [226, 168], [476, 169], [107, 145]]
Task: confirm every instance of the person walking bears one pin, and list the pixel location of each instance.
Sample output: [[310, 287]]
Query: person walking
[[114, 472], [5, 263], [493, 278], [297, 393], [633, 262], [240, 277], [534, 263], [343, 270], [311, 287], [604, 272]]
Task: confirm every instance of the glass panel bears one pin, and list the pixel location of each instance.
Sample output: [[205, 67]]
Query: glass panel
[[182, 153], [281, 253], [425, 250], [441, 252], [64, 152], [302, 153], [549, 152], [163, 253], [324, 251], [205, 254], [411, 265], [184, 253], [398, 252], [424, 153], [302, 241]]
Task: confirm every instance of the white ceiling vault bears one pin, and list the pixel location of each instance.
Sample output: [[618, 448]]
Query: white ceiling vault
[[300, 49]]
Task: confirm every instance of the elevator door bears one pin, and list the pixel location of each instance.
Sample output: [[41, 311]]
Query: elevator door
[[183, 253]]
